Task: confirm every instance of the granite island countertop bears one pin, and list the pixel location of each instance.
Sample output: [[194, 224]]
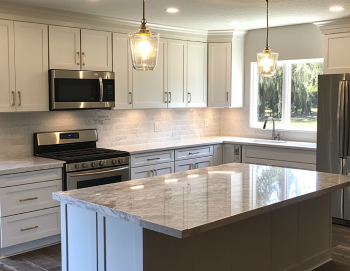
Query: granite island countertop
[[176, 144], [190, 202], [32, 163]]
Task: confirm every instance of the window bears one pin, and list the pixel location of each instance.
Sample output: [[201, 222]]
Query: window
[[290, 96]]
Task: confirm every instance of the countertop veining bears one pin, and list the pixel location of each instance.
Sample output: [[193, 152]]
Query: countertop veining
[[159, 146], [186, 203], [9, 166]]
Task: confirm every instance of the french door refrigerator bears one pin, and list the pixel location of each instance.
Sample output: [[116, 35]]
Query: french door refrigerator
[[333, 137]]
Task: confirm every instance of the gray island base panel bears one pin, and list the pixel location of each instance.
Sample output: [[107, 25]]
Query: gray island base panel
[[228, 217]]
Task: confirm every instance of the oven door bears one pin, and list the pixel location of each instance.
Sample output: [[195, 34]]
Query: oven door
[[81, 89], [88, 178]]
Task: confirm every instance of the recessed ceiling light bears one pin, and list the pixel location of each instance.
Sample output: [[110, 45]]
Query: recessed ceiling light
[[235, 22], [172, 10], [336, 8]]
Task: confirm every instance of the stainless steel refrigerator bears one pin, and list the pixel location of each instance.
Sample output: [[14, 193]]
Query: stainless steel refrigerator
[[333, 137]]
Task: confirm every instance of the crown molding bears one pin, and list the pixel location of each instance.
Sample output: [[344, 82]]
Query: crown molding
[[334, 26], [225, 35]]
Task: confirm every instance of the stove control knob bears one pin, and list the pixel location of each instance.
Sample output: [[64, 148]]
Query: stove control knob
[[114, 161], [102, 163], [121, 161], [77, 166], [93, 164], [85, 165]]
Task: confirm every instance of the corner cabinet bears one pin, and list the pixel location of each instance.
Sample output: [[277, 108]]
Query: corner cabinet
[[219, 74], [150, 87], [197, 71], [31, 62], [80, 49]]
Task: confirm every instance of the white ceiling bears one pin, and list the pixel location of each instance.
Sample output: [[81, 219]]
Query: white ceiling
[[204, 14]]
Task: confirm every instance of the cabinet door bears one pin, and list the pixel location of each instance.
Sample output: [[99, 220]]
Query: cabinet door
[[336, 57], [149, 87], [162, 169], [7, 67], [197, 74], [122, 68], [96, 50], [31, 60], [219, 74], [177, 73], [64, 48], [141, 172], [203, 162], [218, 154], [228, 153], [184, 165]]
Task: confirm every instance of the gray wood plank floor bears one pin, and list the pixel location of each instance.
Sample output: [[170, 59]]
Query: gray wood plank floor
[[49, 258]]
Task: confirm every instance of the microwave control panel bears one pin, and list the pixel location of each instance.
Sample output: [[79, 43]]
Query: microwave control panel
[[109, 91]]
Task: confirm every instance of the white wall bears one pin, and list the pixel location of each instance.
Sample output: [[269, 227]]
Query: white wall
[[303, 41]]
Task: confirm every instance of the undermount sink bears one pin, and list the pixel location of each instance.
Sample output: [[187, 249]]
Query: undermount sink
[[267, 141]]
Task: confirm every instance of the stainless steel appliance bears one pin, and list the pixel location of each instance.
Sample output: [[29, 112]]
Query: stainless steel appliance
[[85, 165], [81, 90], [333, 138]]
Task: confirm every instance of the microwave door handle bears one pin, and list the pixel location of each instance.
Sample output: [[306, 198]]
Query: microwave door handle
[[101, 89]]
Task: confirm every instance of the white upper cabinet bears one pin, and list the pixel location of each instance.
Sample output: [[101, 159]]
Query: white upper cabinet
[[31, 62], [197, 74], [7, 67], [122, 67], [96, 50], [336, 56], [219, 74], [150, 87], [177, 73], [64, 51]]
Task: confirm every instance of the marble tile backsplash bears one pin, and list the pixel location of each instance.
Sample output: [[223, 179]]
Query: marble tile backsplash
[[116, 127], [235, 122]]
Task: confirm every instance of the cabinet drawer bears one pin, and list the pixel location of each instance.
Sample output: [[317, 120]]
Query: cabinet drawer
[[151, 158], [281, 154], [30, 177], [189, 153], [31, 226], [29, 197]]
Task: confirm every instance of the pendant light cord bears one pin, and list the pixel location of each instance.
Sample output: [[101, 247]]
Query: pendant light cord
[[267, 20], [144, 10]]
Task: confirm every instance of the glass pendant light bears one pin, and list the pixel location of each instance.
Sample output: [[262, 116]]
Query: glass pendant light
[[267, 61], [144, 47]]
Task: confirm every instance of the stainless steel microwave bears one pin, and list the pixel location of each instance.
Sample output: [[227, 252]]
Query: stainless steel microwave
[[81, 90]]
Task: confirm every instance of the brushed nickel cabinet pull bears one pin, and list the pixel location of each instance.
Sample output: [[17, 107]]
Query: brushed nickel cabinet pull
[[191, 153], [167, 97], [152, 159], [155, 172], [84, 60], [130, 95], [227, 95], [28, 199], [31, 228], [170, 97], [13, 98], [78, 58], [190, 96], [20, 98]]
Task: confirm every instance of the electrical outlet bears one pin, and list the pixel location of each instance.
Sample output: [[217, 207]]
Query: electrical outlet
[[156, 127], [206, 124]]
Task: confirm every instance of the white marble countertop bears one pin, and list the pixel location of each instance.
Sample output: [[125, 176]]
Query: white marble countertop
[[159, 146], [9, 166], [190, 202]]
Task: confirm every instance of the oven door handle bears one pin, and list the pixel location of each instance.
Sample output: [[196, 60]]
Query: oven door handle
[[98, 172], [101, 89]]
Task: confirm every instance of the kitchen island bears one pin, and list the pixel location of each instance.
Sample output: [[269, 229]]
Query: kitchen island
[[228, 217]]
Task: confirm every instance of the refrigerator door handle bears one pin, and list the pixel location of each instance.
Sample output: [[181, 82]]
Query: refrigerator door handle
[[340, 118], [346, 119]]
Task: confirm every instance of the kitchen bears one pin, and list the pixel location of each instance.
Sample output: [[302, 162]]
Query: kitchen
[[167, 111]]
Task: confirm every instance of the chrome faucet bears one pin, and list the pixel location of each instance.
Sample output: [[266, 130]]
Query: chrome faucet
[[274, 136]]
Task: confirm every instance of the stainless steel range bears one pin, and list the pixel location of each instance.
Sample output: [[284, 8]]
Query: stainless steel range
[[86, 165]]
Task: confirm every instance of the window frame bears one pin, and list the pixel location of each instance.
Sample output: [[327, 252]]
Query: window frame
[[286, 95]]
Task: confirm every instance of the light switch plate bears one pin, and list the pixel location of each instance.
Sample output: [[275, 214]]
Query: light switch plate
[[206, 124], [156, 127]]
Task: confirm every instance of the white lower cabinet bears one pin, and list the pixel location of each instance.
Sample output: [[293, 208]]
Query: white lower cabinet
[[218, 154], [29, 217], [196, 163], [232, 153], [281, 157], [153, 170]]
